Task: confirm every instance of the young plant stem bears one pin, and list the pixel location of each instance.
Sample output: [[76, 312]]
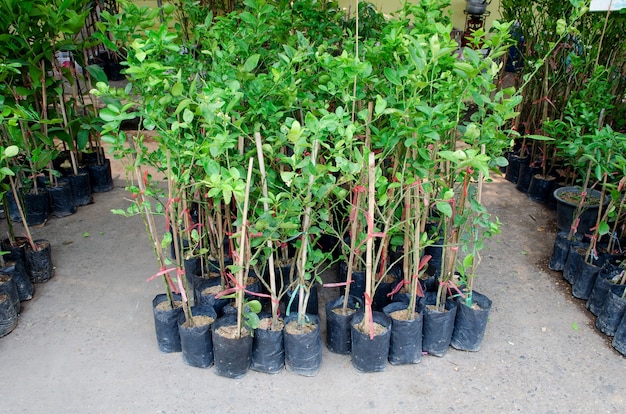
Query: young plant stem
[[415, 250], [476, 261], [366, 325], [579, 208], [354, 230], [22, 215], [241, 274], [172, 215], [594, 240], [149, 223], [302, 259], [65, 124], [270, 246], [615, 225], [406, 216]]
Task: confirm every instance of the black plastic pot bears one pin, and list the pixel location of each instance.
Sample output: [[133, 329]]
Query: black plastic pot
[[560, 251], [39, 262], [268, 349], [15, 252], [357, 287], [62, 200], [405, 346], [611, 314], [91, 157], [338, 337], [435, 251], [312, 307], [539, 188], [565, 211], [37, 207], [166, 323], [100, 177], [619, 340], [81, 188], [370, 354], [303, 348], [231, 355], [551, 200], [282, 276], [602, 286], [382, 295], [470, 323], [8, 287], [204, 299], [17, 271], [253, 286], [575, 258], [513, 169], [8, 316], [438, 328], [196, 341], [584, 280], [193, 267], [14, 213], [525, 175]]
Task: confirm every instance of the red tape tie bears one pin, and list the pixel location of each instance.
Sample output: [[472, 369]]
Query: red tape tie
[[370, 314], [238, 287]]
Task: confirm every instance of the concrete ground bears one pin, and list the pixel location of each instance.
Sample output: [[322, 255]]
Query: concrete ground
[[85, 343]]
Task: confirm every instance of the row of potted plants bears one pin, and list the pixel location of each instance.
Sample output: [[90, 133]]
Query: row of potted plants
[[49, 131], [45, 76], [570, 153], [278, 133]]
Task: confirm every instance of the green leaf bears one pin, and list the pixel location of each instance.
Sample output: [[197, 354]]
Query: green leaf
[[603, 228], [252, 320], [119, 212], [167, 239], [97, 73], [444, 208], [86, 234], [255, 306], [575, 326], [81, 139], [188, 116], [251, 63], [468, 261], [11, 151], [177, 89], [381, 105], [393, 76], [501, 161]]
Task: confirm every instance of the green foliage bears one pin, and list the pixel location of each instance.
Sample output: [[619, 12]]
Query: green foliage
[[206, 85]]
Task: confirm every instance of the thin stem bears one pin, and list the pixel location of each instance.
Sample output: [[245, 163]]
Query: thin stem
[[242, 246]]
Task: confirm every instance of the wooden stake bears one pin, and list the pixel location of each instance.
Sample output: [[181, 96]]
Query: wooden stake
[[273, 293], [240, 273]]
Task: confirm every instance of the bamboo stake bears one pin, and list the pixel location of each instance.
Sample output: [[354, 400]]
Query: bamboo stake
[[354, 229], [369, 245], [274, 304], [242, 245], [606, 21]]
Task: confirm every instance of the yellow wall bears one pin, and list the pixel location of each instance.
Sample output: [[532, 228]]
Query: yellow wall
[[388, 6], [457, 7]]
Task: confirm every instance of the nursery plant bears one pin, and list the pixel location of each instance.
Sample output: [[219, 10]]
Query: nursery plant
[[381, 139]]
